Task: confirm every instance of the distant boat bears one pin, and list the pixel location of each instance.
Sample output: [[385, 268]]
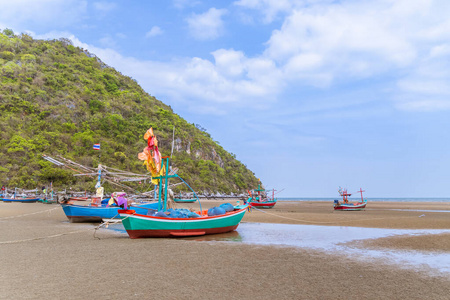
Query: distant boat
[[185, 200], [259, 198], [345, 205], [21, 199], [24, 197], [178, 200]]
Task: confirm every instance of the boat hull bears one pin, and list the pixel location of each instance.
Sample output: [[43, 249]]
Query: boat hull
[[266, 204], [184, 200], [350, 207], [22, 200], [142, 226], [80, 214]]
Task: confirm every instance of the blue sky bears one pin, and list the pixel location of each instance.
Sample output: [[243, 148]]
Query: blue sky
[[310, 95]]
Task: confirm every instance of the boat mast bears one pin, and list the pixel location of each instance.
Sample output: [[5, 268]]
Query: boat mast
[[345, 196], [165, 177], [166, 182], [361, 191]]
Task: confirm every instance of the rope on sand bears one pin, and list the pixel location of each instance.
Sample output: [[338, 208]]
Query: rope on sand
[[24, 215], [106, 224], [44, 237], [335, 222]]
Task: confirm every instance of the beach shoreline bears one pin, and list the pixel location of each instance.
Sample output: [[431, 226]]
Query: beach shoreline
[[44, 256]]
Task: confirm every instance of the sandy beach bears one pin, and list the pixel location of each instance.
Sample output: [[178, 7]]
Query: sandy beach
[[43, 256]]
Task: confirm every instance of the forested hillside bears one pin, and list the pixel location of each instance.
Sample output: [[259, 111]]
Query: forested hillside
[[57, 99]]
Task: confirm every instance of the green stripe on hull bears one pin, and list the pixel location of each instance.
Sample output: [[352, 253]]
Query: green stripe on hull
[[135, 222]]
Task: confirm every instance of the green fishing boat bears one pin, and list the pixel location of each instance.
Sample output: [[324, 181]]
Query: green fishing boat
[[169, 222]]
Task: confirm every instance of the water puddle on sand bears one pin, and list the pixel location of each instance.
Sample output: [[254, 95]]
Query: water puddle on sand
[[332, 239], [422, 210]]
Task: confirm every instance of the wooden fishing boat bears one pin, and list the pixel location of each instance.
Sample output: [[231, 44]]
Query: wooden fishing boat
[[144, 226], [19, 195], [180, 199], [97, 210], [259, 198], [264, 204], [345, 205], [88, 213], [169, 222], [21, 199], [79, 198]]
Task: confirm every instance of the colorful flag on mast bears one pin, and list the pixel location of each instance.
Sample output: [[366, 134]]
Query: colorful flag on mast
[[96, 147]]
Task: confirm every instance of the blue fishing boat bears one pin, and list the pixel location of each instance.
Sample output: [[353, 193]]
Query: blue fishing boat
[[21, 199], [88, 213]]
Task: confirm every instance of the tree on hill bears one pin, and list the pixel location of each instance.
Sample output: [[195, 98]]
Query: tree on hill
[[58, 99]]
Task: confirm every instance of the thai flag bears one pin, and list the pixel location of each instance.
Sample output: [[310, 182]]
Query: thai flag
[[96, 147]]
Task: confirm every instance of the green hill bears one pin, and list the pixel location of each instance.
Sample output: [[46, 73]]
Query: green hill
[[57, 99]]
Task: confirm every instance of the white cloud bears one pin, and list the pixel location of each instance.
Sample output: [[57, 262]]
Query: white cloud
[[195, 83], [22, 15], [207, 26], [322, 45], [108, 42], [426, 86], [331, 34], [104, 6], [404, 43], [269, 8], [154, 32], [229, 62], [181, 4]]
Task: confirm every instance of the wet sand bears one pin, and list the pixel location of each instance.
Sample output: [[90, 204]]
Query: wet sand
[[43, 256]]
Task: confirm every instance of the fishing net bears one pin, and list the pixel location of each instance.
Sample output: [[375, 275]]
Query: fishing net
[[216, 211], [227, 207]]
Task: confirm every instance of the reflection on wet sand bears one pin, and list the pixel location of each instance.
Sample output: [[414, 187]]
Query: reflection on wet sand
[[331, 239]]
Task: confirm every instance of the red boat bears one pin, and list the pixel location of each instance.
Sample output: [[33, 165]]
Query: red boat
[[259, 198], [346, 205]]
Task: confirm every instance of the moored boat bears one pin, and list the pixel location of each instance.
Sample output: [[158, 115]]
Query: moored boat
[[179, 200], [144, 226], [88, 213], [19, 195], [259, 198], [21, 199], [345, 205], [172, 222], [182, 199]]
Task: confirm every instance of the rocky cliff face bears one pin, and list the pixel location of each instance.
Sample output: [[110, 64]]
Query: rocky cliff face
[[209, 154]]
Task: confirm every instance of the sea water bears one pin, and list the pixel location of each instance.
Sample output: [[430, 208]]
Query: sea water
[[337, 239], [333, 240], [355, 199]]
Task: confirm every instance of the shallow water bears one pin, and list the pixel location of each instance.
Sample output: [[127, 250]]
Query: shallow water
[[422, 210], [369, 199], [332, 239]]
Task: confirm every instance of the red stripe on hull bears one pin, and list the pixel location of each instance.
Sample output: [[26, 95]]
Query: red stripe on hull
[[136, 234], [349, 208], [262, 205]]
